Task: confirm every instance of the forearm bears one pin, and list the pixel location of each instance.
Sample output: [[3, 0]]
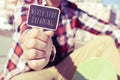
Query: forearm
[[97, 26], [44, 74]]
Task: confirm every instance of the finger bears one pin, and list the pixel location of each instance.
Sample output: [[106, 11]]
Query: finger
[[23, 37], [33, 54], [37, 33], [34, 44], [49, 33], [37, 64]]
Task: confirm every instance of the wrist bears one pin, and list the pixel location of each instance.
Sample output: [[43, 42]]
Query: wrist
[[53, 54]]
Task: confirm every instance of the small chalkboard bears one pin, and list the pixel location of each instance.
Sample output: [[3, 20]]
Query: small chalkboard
[[45, 17]]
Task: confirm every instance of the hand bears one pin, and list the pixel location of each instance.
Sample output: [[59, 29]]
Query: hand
[[37, 46]]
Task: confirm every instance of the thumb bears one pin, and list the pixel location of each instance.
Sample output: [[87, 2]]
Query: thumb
[[49, 33]]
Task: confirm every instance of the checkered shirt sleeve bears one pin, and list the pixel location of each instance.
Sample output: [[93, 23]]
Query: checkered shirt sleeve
[[96, 26], [15, 64]]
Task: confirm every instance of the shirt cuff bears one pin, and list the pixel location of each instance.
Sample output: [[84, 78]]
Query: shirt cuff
[[116, 35]]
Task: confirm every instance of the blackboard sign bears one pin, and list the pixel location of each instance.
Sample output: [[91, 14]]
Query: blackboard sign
[[43, 16]]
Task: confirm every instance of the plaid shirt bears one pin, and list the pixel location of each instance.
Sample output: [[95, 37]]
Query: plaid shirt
[[71, 18]]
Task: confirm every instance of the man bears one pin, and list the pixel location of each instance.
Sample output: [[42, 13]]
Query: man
[[33, 47]]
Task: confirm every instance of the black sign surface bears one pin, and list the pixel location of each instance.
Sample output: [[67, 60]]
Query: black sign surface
[[43, 16]]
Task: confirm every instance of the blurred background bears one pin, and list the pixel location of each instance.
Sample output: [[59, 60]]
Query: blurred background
[[6, 28], [107, 10]]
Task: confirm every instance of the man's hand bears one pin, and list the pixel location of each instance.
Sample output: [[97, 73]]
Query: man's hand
[[37, 46]]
